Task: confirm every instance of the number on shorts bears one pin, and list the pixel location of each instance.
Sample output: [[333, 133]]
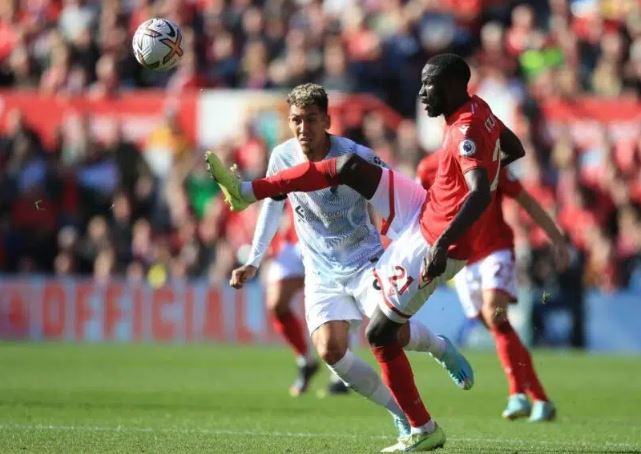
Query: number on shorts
[[503, 270], [400, 275]]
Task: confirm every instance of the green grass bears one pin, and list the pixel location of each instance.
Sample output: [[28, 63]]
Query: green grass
[[175, 398]]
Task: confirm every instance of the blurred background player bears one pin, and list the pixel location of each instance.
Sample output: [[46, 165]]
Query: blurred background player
[[340, 246], [487, 285], [285, 279]]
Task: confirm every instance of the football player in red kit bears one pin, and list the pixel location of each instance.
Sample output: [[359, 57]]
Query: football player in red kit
[[487, 285]]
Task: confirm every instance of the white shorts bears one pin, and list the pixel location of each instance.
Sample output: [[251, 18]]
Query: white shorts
[[287, 264], [400, 292], [331, 299], [496, 271]]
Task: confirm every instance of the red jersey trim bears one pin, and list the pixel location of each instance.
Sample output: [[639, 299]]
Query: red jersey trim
[[385, 300], [392, 211]]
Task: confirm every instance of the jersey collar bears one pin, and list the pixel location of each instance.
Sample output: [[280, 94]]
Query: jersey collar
[[332, 146], [451, 119]]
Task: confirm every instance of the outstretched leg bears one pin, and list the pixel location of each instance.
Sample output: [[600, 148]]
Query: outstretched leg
[[394, 197], [349, 169]]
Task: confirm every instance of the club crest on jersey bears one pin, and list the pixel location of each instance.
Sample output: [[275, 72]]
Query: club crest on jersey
[[467, 148]]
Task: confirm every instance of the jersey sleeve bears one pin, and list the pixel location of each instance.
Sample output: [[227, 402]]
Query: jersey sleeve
[[267, 225], [509, 184], [269, 217], [471, 148], [369, 155]]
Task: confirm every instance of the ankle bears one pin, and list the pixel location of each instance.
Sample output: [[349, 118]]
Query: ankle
[[247, 191], [427, 428]]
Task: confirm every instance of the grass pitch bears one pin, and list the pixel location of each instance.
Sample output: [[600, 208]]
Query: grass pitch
[[228, 399]]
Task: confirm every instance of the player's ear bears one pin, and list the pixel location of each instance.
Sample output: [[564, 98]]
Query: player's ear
[[328, 121]]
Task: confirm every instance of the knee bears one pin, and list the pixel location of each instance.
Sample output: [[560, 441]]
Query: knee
[[378, 335], [278, 306], [494, 309], [494, 316], [347, 164], [358, 174], [331, 351]]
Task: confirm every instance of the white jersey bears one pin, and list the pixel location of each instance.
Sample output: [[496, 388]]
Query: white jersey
[[336, 234]]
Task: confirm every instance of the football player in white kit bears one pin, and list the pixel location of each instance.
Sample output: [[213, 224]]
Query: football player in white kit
[[285, 278], [339, 245]]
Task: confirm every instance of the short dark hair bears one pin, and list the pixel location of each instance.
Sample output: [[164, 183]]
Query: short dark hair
[[450, 66], [309, 94]]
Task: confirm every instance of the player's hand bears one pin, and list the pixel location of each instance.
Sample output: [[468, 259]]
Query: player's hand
[[241, 275], [436, 260], [561, 253]]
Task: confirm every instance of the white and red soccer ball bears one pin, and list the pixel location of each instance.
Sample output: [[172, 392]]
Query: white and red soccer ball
[[157, 44]]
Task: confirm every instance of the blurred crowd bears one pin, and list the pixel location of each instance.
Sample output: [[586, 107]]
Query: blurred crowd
[[148, 210], [548, 47]]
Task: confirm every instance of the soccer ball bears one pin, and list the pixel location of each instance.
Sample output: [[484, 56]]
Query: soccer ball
[[157, 44]]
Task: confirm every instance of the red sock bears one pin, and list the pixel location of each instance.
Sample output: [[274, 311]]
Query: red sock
[[305, 177], [517, 362], [397, 374], [291, 329], [533, 386]]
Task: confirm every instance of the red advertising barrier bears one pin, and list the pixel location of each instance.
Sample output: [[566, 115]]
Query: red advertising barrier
[[587, 118], [82, 310], [137, 112]]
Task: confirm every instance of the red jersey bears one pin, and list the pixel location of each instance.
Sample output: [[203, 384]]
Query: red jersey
[[426, 170], [497, 234], [471, 141]]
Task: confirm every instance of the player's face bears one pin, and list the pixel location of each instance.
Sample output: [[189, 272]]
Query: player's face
[[309, 125], [431, 92]]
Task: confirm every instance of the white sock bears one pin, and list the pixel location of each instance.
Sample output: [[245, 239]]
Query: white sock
[[428, 428], [333, 378], [247, 191], [364, 380], [424, 340]]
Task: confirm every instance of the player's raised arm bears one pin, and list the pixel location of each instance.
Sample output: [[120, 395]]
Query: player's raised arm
[[511, 147], [545, 221], [511, 187]]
